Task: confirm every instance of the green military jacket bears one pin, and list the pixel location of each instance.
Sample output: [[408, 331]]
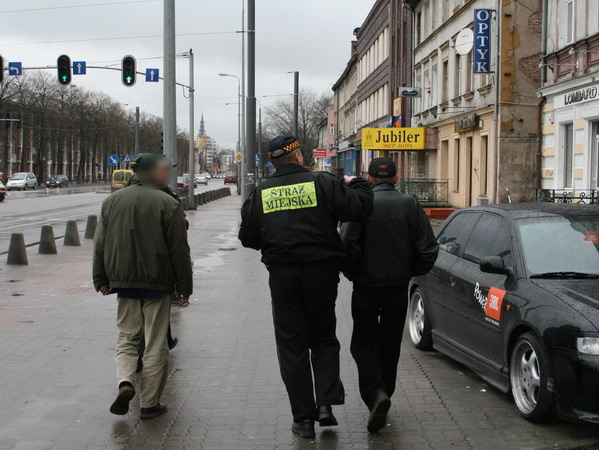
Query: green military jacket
[[141, 241]]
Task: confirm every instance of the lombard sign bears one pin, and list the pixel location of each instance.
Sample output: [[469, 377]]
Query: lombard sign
[[482, 41], [467, 123], [578, 96], [394, 138]]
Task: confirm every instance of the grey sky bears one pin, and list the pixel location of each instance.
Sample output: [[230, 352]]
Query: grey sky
[[312, 36]]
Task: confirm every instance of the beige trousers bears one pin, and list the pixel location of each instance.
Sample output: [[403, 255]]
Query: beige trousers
[[138, 318]]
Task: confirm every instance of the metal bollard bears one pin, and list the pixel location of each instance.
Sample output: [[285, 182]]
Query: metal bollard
[[71, 235], [90, 228], [17, 254], [47, 244]]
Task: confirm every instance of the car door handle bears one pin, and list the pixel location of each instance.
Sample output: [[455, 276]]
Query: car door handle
[[451, 282]]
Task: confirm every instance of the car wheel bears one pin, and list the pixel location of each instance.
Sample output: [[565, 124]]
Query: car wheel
[[25, 187], [2, 198], [34, 187], [531, 379], [418, 321]]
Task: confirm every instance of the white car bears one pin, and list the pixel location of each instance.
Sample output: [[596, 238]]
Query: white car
[[21, 181], [202, 179]]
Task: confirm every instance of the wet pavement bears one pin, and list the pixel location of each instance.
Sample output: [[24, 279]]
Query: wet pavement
[[57, 372]]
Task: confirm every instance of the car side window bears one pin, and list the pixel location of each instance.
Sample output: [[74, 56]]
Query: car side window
[[489, 238], [454, 235]]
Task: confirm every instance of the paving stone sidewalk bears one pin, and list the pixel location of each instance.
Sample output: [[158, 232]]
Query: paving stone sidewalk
[[57, 375]]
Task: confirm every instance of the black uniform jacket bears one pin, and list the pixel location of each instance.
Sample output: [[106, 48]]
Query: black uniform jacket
[[292, 217], [395, 244]]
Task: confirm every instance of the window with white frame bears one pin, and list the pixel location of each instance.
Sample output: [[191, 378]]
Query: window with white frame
[[570, 17], [568, 148]]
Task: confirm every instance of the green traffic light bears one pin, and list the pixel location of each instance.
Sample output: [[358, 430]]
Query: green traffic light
[[129, 79], [65, 78]]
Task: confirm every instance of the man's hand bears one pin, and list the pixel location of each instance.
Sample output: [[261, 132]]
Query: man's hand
[[348, 178], [183, 299], [105, 290]]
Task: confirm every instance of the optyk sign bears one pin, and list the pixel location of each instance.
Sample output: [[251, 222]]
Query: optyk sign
[[482, 40]]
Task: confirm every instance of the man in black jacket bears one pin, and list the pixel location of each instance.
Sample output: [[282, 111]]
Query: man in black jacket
[[292, 218], [383, 254]]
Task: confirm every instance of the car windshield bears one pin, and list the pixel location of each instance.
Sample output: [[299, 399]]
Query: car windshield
[[561, 245], [182, 180], [119, 176], [18, 176]]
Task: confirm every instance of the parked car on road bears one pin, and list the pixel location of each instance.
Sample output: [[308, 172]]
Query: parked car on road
[[2, 191], [231, 178], [514, 295], [202, 179], [57, 181], [182, 186], [195, 182], [120, 178], [208, 176], [21, 181]]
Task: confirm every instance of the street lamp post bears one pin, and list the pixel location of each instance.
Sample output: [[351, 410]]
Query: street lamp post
[[191, 204], [239, 122], [250, 130]]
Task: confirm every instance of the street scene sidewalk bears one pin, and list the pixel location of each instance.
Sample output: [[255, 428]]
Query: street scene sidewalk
[[57, 339]]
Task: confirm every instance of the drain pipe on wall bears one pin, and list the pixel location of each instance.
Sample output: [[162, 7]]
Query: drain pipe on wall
[[495, 195], [543, 100]]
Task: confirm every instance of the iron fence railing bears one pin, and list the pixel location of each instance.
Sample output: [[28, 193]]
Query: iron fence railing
[[588, 197], [429, 192]]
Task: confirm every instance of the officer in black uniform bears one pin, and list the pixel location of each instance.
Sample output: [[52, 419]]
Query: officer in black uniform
[[292, 218]]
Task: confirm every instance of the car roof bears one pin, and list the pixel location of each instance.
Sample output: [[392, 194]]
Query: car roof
[[532, 210]]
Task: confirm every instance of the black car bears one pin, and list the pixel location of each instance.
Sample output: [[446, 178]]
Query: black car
[[514, 295], [57, 181], [183, 186]]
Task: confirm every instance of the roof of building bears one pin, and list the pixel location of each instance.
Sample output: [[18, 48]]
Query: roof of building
[[350, 64]]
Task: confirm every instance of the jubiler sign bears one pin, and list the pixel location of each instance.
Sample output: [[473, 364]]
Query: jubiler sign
[[394, 139]]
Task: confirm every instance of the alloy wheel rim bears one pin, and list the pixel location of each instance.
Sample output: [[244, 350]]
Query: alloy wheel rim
[[416, 321], [525, 376]]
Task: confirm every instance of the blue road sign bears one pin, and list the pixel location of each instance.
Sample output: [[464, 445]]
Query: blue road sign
[[126, 158], [113, 160], [152, 75], [15, 68], [269, 165], [79, 67]]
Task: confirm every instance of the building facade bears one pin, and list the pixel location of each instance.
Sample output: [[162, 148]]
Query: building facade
[[570, 69], [480, 163]]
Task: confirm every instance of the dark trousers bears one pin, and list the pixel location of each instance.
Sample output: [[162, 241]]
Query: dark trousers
[[379, 315], [303, 304]]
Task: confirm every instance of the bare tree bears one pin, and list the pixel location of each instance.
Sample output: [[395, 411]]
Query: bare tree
[[312, 109]]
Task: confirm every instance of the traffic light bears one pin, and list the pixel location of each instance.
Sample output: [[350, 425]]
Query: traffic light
[[64, 69], [128, 70]]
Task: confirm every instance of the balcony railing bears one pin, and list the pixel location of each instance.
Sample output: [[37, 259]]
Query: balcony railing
[[429, 192], [589, 197]]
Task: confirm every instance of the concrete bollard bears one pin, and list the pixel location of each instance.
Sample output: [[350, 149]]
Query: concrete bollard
[[17, 254], [90, 228], [71, 235], [205, 196], [47, 242], [184, 203]]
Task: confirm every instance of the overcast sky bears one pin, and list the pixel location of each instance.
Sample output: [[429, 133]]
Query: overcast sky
[[311, 36]]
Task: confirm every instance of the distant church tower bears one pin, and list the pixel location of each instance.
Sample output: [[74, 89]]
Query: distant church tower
[[202, 131]]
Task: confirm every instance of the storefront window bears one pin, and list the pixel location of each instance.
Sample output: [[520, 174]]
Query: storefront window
[[568, 144], [595, 156]]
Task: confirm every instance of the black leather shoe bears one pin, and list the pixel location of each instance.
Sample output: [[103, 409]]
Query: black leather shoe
[[304, 429], [155, 411], [326, 417], [378, 412], [120, 406]]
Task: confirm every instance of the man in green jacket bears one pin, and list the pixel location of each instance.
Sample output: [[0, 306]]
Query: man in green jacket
[[141, 253]]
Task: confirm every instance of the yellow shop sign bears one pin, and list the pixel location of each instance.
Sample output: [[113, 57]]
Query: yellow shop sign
[[394, 138]]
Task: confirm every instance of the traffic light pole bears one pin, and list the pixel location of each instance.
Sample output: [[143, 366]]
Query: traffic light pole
[[250, 156], [191, 204], [137, 132], [170, 86]]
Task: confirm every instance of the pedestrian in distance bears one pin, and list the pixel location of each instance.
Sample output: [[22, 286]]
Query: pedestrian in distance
[[292, 218], [141, 253], [384, 252]]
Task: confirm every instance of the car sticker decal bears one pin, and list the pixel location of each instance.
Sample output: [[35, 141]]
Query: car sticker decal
[[491, 304], [592, 237]]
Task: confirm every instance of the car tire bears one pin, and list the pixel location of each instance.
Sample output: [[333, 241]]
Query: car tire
[[531, 379], [2, 198], [25, 187], [419, 323], [34, 187]]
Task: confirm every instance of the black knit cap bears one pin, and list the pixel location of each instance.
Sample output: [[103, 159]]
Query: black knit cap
[[287, 143], [382, 168]]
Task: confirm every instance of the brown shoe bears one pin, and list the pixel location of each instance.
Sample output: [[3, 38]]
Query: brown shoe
[[120, 406], [378, 412]]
